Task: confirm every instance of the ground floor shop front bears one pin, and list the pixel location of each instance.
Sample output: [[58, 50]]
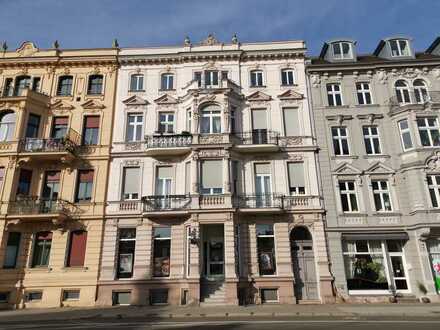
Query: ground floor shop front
[[215, 258]]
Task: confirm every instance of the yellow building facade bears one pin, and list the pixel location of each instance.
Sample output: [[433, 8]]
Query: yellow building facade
[[56, 116]]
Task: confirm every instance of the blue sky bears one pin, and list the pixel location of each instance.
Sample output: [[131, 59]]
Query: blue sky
[[94, 23]]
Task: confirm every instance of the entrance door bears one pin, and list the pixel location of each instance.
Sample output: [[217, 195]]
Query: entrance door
[[303, 261], [213, 252]]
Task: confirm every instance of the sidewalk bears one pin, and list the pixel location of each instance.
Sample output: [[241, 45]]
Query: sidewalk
[[344, 311]]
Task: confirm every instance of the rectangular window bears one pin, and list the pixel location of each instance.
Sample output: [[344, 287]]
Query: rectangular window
[[34, 296], [91, 130], [167, 81], [340, 141], [211, 121], [269, 296], [121, 298], [211, 78], [405, 135], [59, 127], [33, 126], [4, 297], [65, 84], [187, 177], [188, 120], [42, 246], [257, 78], [12, 249], [130, 185], [8, 89], [347, 191], [428, 131], [434, 189], [212, 177], [287, 77], [296, 179], [69, 295], [263, 185], [36, 84], [159, 296], [84, 186], [50, 191], [363, 93], [126, 250], [77, 248], [24, 182], [399, 47], [136, 82], [371, 140], [342, 50], [166, 122], [334, 95], [135, 122], [259, 119], [95, 84], [381, 195], [266, 249], [161, 251], [291, 122], [198, 78], [233, 122]]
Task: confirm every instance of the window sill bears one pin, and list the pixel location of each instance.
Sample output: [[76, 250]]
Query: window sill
[[371, 105], [262, 86], [167, 90], [94, 95], [336, 107], [288, 86], [344, 157], [39, 269], [352, 214], [387, 214], [376, 156], [67, 96], [136, 90], [75, 269]]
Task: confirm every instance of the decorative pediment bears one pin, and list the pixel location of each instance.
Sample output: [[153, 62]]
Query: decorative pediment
[[61, 105], [433, 162], [27, 48], [135, 100], [93, 105], [347, 169], [210, 41], [166, 99], [258, 96], [379, 168], [290, 95]]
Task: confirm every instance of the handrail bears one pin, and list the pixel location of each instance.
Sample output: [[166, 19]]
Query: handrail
[[168, 141], [166, 202], [257, 136], [67, 143], [28, 205]]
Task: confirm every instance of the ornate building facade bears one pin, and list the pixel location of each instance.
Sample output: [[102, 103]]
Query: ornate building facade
[[56, 113], [213, 187], [377, 127]]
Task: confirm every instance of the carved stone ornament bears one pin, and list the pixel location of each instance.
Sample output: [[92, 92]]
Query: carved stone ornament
[[258, 96], [135, 100], [436, 72], [211, 139], [133, 146], [433, 162], [166, 99], [409, 73], [295, 157], [209, 41], [131, 162], [61, 105], [27, 48], [286, 141], [315, 79], [214, 153], [290, 95], [93, 105], [382, 76], [207, 98]]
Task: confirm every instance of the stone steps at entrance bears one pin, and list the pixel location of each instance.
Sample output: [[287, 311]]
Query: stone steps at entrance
[[212, 293]]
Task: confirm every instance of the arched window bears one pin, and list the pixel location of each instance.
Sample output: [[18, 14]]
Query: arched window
[[21, 83], [7, 125], [95, 84], [65, 86], [420, 91], [402, 91], [211, 120]]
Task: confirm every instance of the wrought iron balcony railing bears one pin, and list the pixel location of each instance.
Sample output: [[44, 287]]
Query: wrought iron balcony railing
[[416, 97], [33, 205], [166, 203], [168, 141], [67, 143], [259, 201], [257, 136]]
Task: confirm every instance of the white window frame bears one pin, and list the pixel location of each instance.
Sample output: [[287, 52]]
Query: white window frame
[[435, 187], [381, 193], [139, 85], [429, 129], [130, 196], [167, 123], [403, 92], [404, 131], [363, 92], [259, 78], [211, 74], [348, 193], [211, 114], [339, 138], [168, 85], [188, 120], [342, 56], [399, 47], [333, 93], [136, 126], [370, 137], [286, 72], [420, 92]]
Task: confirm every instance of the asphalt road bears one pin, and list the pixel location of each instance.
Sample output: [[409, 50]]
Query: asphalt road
[[243, 324]]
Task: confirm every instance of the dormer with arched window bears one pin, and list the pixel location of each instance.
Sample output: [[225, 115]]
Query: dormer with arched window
[[339, 50]]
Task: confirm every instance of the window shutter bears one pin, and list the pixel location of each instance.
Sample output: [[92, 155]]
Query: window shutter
[[77, 252], [164, 172], [296, 175], [92, 122], [291, 122], [212, 174], [86, 176], [52, 176], [262, 168], [60, 120], [259, 119], [131, 180], [44, 235]]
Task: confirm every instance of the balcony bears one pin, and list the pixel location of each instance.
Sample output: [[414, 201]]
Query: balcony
[[215, 201], [168, 145], [22, 94], [51, 148], [414, 100], [158, 205], [36, 208], [259, 140], [298, 202], [266, 203]]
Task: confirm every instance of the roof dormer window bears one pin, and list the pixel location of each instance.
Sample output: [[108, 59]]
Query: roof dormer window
[[399, 47], [342, 50]]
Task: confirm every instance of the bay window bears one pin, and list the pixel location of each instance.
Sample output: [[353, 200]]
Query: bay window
[[434, 189], [211, 120], [428, 131]]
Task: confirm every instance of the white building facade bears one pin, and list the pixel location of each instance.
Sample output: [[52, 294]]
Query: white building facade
[[213, 194]]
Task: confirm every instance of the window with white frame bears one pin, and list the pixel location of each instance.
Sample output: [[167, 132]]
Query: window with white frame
[[166, 122], [428, 131], [287, 77], [266, 249], [405, 135], [188, 120], [434, 189], [167, 81], [340, 141], [257, 78], [212, 177], [136, 82], [342, 50], [402, 92], [363, 93], [297, 185], [334, 94], [135, 122], [130, 184], [399, 47], [211, 78], [381, 195], [347, 192], [420, 91], [371, 140], [211, 120]]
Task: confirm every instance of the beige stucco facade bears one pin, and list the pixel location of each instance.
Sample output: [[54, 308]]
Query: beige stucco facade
[[37, 270]]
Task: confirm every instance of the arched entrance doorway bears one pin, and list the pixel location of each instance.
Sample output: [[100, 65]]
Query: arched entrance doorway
[[303, 262]]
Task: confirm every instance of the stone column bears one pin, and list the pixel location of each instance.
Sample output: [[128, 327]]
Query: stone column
[[108, 258], [177, 251], [194, 254], [195, 180], [252, 245], [283, 253], [229, 241], [226, 174], [142, 266], [226, 116]]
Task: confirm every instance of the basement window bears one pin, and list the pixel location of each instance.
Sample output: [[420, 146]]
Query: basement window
[[121, 298], [34, 296], [69, 295], [4, 297], [159, 296], [269, 296]]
